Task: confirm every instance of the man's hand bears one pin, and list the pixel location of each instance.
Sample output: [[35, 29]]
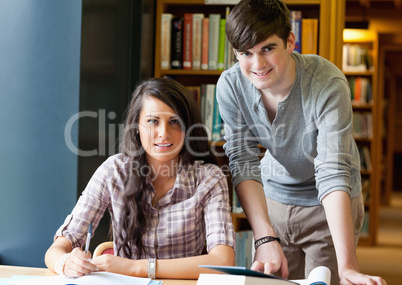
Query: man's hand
[[269, 258], [354, 277]]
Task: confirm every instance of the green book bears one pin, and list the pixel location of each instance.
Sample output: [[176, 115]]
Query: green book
[[222, 40]]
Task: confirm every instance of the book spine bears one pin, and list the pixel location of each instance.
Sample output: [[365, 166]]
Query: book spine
[[356, 58], [209, 108], [351, 81], [187, 41], [357, 89], [367, 157], [205, 39], [177, 43], [363, 90], [309, 41], [203, 95], [214, 22], [165, 40], [249, 248], [228, 48], [221, 51], [195, 92], [369, 93], [197, 40], [217, 120], [296, 22], [236, 207]]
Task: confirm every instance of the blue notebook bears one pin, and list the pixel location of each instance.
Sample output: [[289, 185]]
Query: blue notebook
[[239, 270], [320, 275]]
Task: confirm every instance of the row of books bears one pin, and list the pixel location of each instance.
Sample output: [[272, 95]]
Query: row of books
[[306, 32], [364, 232], [236, 207], [205, 96], [356, 58], [244, 248], [361, 92], [362, 125], [365, 158], [195, 41], [366, 186], [244, 239]]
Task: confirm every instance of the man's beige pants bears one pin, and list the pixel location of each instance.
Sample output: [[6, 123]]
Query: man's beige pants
[[305, 236]]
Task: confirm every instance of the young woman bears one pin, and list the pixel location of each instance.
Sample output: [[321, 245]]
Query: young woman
[[166, 196]]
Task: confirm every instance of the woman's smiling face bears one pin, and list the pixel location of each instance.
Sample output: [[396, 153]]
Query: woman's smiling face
[[161, 131]]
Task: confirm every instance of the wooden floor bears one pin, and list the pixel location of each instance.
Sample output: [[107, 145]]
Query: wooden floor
[[385, 259]]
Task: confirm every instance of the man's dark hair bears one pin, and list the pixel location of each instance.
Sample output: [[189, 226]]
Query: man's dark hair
[[253, 21]]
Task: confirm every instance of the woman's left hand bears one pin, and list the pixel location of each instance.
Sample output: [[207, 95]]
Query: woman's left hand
[[120, 265]]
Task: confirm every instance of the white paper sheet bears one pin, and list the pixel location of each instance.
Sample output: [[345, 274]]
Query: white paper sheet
[[320, 275], [98, 278]]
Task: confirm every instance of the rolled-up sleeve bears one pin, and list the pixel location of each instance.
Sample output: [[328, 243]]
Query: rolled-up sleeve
[[217, 214], [90, 207], [335, 163]]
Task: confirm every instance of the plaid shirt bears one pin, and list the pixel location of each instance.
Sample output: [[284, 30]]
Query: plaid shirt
[[193, 213]]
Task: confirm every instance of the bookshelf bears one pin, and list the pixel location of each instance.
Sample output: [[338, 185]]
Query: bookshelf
[[387, 87], [360, 62], [330, 15]]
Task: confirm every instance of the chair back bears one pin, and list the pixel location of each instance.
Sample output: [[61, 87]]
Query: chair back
[[104, 248]]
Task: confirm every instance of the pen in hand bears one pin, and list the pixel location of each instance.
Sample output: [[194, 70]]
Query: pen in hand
[[89, 234]]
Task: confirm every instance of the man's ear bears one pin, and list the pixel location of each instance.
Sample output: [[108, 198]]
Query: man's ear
[[235, 53], [291, 42]]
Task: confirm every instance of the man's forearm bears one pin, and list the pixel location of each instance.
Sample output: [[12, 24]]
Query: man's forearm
[[252, 199], [339, 216]]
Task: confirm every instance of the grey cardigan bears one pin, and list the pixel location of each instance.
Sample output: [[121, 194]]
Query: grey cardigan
[[310, 147]]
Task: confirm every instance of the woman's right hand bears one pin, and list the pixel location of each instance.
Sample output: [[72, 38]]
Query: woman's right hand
[[78, 263]]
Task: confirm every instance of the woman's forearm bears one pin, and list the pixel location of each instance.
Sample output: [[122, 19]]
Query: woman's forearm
[[60, 246], [187, 268]]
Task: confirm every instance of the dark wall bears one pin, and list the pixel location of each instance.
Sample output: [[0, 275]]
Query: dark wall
[[39, 91], [55, 76], [116, 53]]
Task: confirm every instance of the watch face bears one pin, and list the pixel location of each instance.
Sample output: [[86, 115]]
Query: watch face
[[151, 268]]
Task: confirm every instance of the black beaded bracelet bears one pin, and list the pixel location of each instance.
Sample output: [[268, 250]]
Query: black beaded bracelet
[[266, 239]]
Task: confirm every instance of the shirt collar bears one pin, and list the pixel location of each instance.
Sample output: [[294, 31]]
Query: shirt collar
[[183, 187]]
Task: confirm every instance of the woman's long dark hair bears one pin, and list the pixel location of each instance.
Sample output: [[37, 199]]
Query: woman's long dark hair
[[133, 219]]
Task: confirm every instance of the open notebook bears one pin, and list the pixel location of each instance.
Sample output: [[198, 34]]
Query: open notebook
[[242, 276], [98, 278]]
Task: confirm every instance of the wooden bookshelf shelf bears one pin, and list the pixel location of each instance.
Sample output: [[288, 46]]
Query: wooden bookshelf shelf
[[368, 41], [359, 73], [366, 106], [190, 72]]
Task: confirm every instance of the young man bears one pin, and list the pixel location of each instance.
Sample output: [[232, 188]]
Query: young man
[[298, 108]]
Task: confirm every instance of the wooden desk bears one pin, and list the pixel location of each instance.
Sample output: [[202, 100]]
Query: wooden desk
[[9, 271]]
